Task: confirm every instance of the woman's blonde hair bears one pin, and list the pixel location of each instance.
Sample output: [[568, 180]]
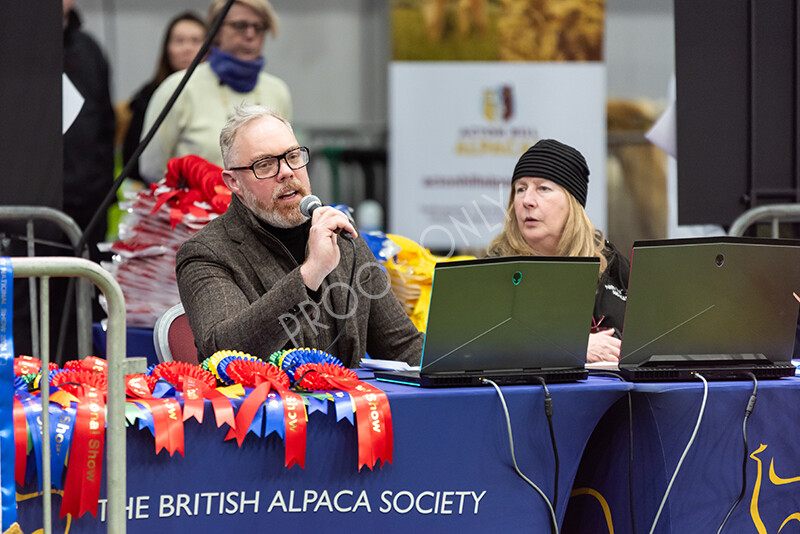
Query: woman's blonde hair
[[262, 7], [578, 237]]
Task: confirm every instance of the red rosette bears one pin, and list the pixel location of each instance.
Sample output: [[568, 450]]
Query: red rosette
[[90, 363], [26, 365], [72, 365], [66, 380], [313, 376], [148, 379], [172, 372], [244, 372]]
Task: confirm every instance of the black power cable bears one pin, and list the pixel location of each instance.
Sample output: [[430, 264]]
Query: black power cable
[[548, 412], [748, 410]]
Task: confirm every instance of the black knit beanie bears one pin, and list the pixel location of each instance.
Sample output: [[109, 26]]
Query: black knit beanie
[[557, 162]]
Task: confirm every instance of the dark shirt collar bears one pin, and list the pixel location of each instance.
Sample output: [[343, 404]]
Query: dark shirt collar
[[294, 239]]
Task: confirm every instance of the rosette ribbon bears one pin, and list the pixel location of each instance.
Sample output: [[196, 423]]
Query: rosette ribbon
[[20, 441], [90, 363], [265, 378], [373, 415], [195, 391], [196, 385], [82, 487], [193, 181], [167, 416]]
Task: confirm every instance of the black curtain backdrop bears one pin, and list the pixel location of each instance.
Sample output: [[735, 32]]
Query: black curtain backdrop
[[31, 152], [738, 106]]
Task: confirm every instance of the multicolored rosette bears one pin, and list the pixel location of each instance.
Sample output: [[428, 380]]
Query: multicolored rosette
[[293, 359], [20, 384], [70, 380], [174, 372], [25, 365], [86, 380], [217, 358], [90, 363], [31, 380], [252, 372], [277, 357], [234, 366], [314, 376], [373, 415], [161, 414]]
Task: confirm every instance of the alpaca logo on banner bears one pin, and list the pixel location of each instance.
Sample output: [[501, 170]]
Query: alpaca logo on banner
[[498, 103]]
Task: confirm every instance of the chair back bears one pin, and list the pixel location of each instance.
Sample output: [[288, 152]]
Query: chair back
[[173, 337]]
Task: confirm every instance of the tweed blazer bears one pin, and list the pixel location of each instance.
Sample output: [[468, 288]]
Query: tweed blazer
[[242, 290]]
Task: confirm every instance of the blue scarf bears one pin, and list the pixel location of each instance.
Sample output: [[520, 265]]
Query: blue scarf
[[238, 74]]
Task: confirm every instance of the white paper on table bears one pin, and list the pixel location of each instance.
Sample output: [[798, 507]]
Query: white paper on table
[[386, 365], [71, 103]]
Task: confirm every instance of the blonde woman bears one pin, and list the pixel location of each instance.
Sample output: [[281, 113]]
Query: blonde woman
[[546, 217]]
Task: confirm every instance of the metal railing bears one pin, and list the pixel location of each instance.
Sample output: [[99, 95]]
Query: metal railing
[[775, 213], [83, 304], [118, 366]]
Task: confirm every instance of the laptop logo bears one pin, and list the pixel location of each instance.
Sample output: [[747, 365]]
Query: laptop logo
[[517, 278]]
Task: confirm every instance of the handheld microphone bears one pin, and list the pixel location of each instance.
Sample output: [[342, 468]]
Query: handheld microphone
[[309, 204]]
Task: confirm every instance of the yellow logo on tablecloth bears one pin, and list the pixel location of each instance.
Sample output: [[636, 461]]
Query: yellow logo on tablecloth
[[777, 481]]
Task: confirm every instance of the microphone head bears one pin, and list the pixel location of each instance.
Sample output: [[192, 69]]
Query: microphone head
[[308, 204]]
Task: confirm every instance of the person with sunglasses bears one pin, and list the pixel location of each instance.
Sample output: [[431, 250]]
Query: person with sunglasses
[[234, 73], [263, 277]]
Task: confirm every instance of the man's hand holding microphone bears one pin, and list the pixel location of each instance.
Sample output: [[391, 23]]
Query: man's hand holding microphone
[[323, 250]]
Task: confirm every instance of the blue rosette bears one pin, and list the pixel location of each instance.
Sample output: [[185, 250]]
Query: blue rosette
[[20, 385], [297, 357], [223, 365]]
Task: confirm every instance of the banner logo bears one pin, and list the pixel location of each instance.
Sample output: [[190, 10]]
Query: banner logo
[[498, 103]]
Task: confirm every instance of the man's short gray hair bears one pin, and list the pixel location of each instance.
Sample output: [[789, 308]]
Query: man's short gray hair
[[242, 115]]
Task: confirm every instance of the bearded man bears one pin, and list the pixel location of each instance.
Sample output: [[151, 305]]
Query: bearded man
[[263, 277]]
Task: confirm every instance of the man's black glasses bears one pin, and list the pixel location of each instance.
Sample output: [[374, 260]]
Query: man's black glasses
[[268, 167]]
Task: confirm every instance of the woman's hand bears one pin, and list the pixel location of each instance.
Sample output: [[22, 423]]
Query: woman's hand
[[603, 347]]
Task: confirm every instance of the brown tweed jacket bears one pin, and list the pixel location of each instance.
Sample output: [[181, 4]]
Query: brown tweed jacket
[[242, 290]]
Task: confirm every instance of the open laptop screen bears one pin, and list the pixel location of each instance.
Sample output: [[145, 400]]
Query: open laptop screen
[[711, 301], [522, 312]]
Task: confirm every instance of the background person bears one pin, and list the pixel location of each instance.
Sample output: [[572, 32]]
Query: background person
[[233, 74], [89, 141], [546, 217], [183, 38], [262, 277]]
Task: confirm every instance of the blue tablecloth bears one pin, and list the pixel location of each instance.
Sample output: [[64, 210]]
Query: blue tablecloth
[[710, 479], [452, 469]]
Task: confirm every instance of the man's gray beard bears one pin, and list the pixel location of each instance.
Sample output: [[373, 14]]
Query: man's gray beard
[[273, 218]]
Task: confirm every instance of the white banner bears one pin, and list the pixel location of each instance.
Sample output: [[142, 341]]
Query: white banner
[[458, 128]]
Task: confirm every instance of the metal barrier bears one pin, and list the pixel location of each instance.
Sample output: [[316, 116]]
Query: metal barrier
[[775, 213], [118, 366], [83, 304]]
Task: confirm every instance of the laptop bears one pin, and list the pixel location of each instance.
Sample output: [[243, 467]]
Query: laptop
[[511, 319], [723, 307]]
